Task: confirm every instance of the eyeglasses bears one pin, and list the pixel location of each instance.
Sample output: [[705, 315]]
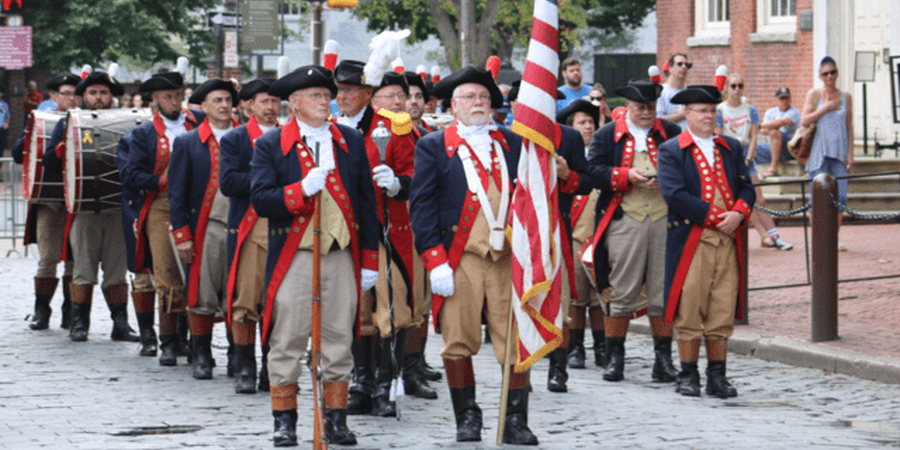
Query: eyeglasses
[[684, 64], [708, 112], [830, 72], [471, 98], [398, 95], [737, 86], [598, 98]]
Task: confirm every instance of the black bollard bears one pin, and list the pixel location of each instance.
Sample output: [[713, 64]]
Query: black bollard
[[825, 259]]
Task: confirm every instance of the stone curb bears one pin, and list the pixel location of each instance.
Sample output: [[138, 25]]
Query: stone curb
[[878, 368]]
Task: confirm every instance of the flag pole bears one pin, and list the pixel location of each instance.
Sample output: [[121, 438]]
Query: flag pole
[[504, 390]]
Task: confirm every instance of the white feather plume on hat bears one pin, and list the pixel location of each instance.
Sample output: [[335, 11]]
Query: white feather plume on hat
[[385, 48]]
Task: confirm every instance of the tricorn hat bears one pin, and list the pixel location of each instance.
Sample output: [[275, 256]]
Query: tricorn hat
[[303, 78], [255, 87], [470, 74], [580, 105], [99, 77], [415, 79], [163, 81], [641, 91], [213, 84], [698, 93], [63, 79], [350, 72]]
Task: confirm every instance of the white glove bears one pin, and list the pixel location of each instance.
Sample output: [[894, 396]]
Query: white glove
[[442, 280], [384, 178], [368, 278], [314, 181]]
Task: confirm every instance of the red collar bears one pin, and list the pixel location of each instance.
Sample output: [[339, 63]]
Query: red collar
[[685, 140], [290, 135], [622, 128], [453, 141]]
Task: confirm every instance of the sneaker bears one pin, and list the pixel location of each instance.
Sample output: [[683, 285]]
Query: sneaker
[[781, 245]]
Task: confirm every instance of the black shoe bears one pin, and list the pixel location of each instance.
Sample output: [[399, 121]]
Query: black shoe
[[201, 361], [576, 348], [245, 377], [167, 355], [557, 375], [336, 430], [285, 428], [413, 382], [121, 330], [516, 431], [663, 369], [148, 335], [263, 385], [599, 347], [716, 383], [688, 382], [41, 318], [615, 354], [468, 414], [81, 321], [382, 406]]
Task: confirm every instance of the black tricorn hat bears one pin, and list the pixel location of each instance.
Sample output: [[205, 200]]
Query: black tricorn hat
[[302, 78], [415, 79], [580, 105], [641, 91], [213, 84], [393, 78], [255, 87], [164, 81], [470, 74], [698, 93], [63, 79], [99, 77], [350, 72]]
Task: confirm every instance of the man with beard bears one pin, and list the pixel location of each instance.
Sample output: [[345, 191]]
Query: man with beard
[[306, 157], [199, 216], [247, 232], [573, 87], [46, 223], [415, 104], [143, 158], [95, 237], [462, 240], [709, 194], [631, 235]]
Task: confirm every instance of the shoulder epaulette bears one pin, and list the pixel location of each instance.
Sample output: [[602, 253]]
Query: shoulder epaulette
[[401, 123]]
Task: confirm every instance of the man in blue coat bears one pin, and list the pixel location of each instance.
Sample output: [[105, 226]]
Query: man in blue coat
[[247, 232], [143, 159], [199, 216], [290, 166], [707, 187], [459, 200]]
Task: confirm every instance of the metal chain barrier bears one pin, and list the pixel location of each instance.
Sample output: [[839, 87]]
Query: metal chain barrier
[[854, 214], [776, 213]]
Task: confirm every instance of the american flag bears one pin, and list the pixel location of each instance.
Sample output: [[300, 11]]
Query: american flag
[[534, 217]]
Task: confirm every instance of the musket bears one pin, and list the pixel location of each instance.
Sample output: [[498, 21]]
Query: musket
[[381, 136], [316, 325]]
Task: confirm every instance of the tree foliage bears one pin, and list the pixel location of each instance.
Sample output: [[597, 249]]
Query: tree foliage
[[507, 23], [69, 33]]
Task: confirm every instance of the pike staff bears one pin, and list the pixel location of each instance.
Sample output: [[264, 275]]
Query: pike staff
[[316, 326]]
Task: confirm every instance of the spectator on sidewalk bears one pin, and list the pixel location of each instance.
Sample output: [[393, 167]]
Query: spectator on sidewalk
[[49, 104], [832, 146], [779, 124], [33, 98], [740, 121], [597, 96], [572, 88], [676, 71], [4, 123]]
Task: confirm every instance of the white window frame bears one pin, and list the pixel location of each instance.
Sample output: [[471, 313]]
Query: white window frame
[[768, 23], [705, 28]]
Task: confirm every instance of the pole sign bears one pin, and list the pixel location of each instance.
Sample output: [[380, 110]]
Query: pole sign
[[259, 20], [231, 49], [15, 47]]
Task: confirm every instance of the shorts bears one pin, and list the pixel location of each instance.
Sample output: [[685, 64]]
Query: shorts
[[764, 152], [836, 168]]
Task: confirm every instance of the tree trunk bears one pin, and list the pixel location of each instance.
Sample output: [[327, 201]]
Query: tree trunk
[[446, 31]]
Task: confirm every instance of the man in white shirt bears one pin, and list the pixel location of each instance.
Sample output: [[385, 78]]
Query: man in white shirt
[[676, 68], [779, 124]]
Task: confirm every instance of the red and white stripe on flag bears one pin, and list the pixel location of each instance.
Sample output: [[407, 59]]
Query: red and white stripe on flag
[[534, 221]]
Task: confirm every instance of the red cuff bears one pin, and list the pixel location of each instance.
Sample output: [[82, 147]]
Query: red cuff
[[163, 183], [370, 260], [182, 234], [619, 180], [742, 207], [434, 257], [572, 183], [61, 151], [294, 200], [712, 217]]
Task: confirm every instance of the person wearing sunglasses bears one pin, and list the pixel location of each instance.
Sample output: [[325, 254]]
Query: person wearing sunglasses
[[832, 146], [676, 70], [738, 119], [598, 98]]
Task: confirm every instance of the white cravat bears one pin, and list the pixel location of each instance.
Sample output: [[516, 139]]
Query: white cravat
[[352, 121], [640, 136], [707, 147], [263, 128], [220, 132], [321, 136], [479, 139], [174, 128]]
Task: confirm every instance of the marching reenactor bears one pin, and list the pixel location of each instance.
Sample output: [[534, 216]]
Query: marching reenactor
[[709, 193], [415, 104], [247, 232], [94, 237], [631, 234], [46, 222], [143, 158], [199, 217], [462, 239], [306, 157]]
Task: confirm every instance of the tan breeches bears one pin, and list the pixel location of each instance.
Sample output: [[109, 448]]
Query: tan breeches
[[710, 292], [97, 240], [169, 286], [250, 285], [637, 254], [51, 226]]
